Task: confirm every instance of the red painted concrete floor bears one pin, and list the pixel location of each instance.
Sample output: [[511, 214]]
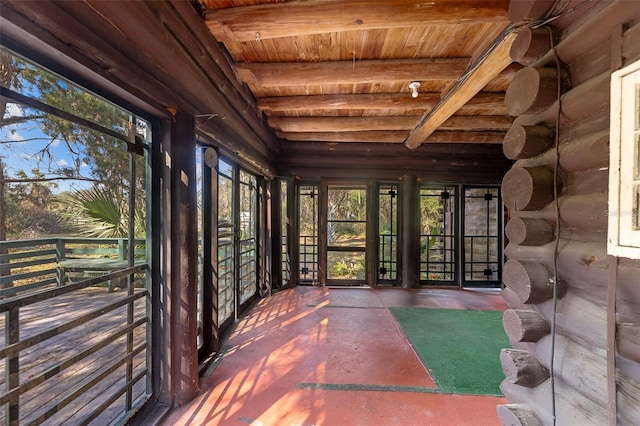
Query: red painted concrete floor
[[333, 356]]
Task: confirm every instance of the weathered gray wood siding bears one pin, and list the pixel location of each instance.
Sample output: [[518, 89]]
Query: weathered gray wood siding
[[591, 42]]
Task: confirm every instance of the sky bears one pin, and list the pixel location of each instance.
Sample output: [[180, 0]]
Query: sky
[[21, 149]]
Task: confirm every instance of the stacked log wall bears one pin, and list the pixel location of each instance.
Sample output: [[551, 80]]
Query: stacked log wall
[[604, 38]]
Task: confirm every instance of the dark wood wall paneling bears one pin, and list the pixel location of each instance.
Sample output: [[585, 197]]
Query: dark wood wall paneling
[[461, 163], [599, 38]]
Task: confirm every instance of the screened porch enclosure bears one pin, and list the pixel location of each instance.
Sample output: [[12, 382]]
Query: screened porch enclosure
[[350, 234]]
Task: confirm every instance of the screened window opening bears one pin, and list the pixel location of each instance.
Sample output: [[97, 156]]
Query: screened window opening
[[438, 235], [482, 237]]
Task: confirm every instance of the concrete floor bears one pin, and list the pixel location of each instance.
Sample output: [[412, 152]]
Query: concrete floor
[[333, 356]]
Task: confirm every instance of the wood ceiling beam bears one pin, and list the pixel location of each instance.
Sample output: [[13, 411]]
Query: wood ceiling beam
[[284, 74], [397, 136], [342, 124], [274, 20], [489, 66], [481, 104], [359, 124], [385, 101], [373, 136]]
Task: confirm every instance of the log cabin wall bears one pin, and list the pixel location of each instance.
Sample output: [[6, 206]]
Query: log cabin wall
[[596, 349]]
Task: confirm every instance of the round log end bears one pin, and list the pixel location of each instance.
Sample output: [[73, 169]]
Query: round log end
[[527, 188], [529, 232], [530, 45], [517, 414], [527, 141], [524, 325], [522, 368], [531, 91], [531, 281]]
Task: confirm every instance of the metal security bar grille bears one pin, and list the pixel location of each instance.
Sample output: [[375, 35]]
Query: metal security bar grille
[[226, 243], [308, 233], [387, 233], [482, 239], [247, 279], [438, 235], [284, 234]]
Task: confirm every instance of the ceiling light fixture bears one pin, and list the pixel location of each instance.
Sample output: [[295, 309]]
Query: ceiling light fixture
[[414, 88]]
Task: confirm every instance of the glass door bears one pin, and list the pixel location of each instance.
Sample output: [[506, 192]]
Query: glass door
[[438, 237], [226, 243], [247, 244], [346, 230], [308, 234], [387, 234], [482, 236]]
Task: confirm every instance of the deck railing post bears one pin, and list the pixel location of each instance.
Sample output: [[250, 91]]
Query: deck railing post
[[122, 248], [60, 253], [12, 365]]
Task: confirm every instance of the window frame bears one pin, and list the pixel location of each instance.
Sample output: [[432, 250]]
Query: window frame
[[624, 159]]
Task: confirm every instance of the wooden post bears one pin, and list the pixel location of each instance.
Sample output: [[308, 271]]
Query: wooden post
[[410, 232], [183, 283]]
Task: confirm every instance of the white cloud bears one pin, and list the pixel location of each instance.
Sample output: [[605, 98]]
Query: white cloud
[[62, 162], [13, 110], [14, 136]]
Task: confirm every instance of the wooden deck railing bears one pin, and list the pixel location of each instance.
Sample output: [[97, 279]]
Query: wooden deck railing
[[73, 352], [40, 263]]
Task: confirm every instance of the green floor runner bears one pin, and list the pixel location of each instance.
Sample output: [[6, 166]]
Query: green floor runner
[[461, 348]]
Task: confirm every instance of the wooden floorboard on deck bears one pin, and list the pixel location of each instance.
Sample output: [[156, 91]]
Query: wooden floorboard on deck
[[43, 316]]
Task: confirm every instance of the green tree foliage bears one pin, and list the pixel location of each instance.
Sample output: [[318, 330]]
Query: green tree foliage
[[94, 156], [28, 207], [96, 212]]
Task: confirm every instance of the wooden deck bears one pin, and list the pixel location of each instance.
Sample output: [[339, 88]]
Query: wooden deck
[[67, 370]]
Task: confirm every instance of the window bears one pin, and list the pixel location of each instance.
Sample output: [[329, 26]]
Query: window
[[624, 166]]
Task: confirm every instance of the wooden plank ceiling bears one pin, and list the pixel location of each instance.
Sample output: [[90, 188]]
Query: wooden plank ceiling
[[339, 70]]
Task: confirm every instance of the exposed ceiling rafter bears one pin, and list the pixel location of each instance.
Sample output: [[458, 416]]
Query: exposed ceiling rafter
[[275, 20]]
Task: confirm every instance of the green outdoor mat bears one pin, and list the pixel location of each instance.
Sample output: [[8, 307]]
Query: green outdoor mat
[[461, 348]]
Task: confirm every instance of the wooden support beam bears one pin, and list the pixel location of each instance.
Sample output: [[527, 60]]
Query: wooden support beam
[[522, 368], [341, 124], [479, 75], [358, 124], [286, 74], [385, 101], [275, 20], [481, 104], [397, 136], [524, 325], [373, 136]]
